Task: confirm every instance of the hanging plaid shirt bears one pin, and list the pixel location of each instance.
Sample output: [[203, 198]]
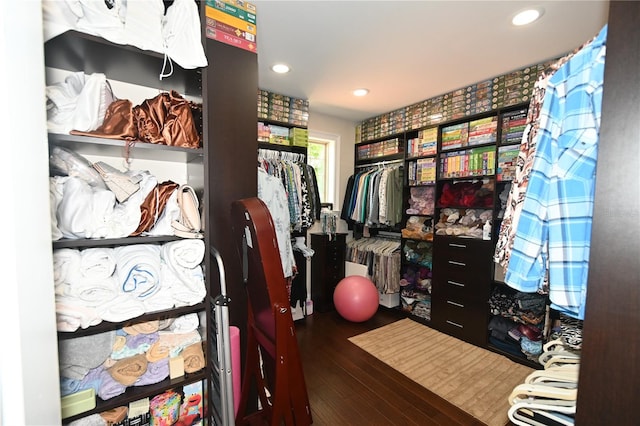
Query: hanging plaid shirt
[[555, 223]]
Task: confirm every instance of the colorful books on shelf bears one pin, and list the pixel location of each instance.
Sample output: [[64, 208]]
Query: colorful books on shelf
[[425, 144], [483, 131], [422, 171], [513, 125], [507, 157], [455, 136], [471, 162], [379, 149]]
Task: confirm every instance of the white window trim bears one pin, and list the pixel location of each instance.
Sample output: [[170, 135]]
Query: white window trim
[[333, 146]]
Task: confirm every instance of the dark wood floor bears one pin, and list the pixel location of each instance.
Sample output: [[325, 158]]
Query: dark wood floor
[[347, 386]]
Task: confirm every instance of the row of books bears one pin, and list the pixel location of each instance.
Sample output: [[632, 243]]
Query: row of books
[[422, 171], [499, 92], [470, 162], [379, 149]]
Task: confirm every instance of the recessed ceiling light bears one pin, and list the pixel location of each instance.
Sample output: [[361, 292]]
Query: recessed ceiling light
[[360, 92], [280, 68], [526, 17]]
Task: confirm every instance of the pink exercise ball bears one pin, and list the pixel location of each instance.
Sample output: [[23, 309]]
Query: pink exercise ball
[[356, 298]]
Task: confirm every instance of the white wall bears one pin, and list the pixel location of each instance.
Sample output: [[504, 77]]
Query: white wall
[[346, 132], [29, 380]]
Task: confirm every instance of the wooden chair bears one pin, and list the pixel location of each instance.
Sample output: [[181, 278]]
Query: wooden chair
[[273, 363]]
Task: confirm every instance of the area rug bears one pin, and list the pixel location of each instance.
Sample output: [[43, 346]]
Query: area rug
[[475, 380]]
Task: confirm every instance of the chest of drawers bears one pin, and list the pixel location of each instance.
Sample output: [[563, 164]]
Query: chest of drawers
[[461, 285], [327, 268]]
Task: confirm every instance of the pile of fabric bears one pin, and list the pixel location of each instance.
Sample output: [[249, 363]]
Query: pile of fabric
[[135, 355], [146, 24], [117, 284]]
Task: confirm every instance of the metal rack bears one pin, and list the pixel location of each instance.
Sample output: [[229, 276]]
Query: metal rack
[[222, 405]]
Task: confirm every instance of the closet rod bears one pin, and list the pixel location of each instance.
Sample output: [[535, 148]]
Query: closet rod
[[283, 155], [379, 163], [389, 235]]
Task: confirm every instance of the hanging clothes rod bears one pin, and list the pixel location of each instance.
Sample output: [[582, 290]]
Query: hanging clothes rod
[[272, 154], [379, 163]]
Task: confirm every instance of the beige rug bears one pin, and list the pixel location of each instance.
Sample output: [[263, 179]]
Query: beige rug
[[476, 380]]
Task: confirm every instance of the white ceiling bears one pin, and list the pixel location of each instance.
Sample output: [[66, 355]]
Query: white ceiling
[[407, 51]]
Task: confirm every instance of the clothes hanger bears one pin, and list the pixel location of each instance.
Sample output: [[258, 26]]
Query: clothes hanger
[[540, 408], [561, 358], [567, 373], [523, 392]]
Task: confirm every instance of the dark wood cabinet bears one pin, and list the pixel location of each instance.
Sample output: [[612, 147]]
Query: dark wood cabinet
[[461, 283], [610, 367], [327, 268]]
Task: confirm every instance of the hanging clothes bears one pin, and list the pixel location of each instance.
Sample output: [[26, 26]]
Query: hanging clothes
[[524, 163], [272, 193], [300, 183], [374, 197], [382, 257], [554, 227]]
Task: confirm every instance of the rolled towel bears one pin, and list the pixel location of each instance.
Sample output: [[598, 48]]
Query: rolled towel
[[128, 370], [157, 351], [90, 420], [80, 354], [175, 343], [187, 253], [56, 185], [93, 292], [156, 372], [193, 358], [146, 327], [71, 315], [162, 299], [115, 415], [138, 269], [93, 380], [119, 343], [181, 295], [185, 323], [122, 308], [97, 263], [138, 344], [109, 387], [66, 266]]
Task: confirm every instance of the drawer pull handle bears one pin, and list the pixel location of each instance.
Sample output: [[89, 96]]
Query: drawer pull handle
[[459, 305], [453, 262], [457, 245], [455, 283], [455, 323]]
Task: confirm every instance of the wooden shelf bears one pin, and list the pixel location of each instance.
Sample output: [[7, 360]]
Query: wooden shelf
[[88, 145], [77, 51]]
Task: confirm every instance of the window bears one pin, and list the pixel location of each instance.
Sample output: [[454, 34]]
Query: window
[[321, 156]]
